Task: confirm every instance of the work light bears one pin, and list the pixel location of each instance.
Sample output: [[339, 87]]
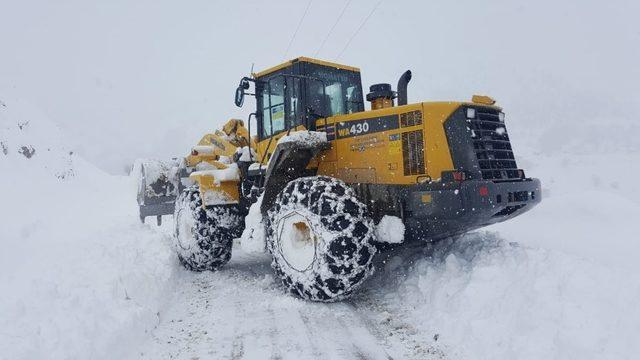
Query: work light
[[471, 113]]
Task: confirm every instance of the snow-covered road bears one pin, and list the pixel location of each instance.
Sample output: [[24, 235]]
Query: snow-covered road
[[240, 312]]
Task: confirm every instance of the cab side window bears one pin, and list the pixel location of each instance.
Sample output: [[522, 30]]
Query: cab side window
[[273, 112], [281, 105]]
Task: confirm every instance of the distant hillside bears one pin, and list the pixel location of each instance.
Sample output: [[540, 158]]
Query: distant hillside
[[31, 143]]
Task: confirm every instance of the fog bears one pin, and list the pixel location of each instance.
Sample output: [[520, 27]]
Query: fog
[[129, 79]]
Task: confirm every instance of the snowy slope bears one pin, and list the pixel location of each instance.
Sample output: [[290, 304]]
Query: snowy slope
[[31, 145], [78, 274], [484, 297]]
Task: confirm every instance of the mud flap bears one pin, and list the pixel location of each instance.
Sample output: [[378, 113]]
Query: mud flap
[[288, 162]]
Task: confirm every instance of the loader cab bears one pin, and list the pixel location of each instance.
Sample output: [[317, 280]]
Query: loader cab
[[300, 91]]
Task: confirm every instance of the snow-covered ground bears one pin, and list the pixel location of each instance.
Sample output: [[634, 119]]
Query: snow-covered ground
[[80, 277]]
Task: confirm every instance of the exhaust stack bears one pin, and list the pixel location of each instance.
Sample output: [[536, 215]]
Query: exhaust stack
[[402, 87]]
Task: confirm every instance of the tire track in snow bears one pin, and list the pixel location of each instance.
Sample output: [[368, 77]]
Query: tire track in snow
[[345, 334], [398, 336], [240, 312], [273, 334]]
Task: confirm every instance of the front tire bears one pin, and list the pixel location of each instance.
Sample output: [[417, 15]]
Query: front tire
[[203, 237], [321, 239]]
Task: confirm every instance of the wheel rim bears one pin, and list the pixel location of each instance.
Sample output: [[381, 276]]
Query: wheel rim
[[297, 241], [184, 228]]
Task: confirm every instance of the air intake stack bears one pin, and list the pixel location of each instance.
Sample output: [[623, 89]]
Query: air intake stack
[[381, 96]]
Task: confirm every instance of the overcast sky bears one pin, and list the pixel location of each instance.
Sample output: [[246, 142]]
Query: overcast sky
[[130, 79]]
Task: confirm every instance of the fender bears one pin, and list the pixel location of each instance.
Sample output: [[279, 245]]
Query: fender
[[289, 161], [218, 186]]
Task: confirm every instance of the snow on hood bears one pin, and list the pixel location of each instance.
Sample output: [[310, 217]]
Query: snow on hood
[[311, 138]]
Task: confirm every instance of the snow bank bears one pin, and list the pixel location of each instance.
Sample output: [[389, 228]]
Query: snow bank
[[80, 277], [589, 209], [390, 230], [485, 298]]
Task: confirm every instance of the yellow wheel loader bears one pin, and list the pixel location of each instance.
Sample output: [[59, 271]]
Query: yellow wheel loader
[[326, 184]]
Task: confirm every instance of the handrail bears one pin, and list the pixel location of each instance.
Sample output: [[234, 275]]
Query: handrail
[[255, 115]]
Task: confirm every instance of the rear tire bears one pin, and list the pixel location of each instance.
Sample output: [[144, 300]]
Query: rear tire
[[203, 237], [321, 239]]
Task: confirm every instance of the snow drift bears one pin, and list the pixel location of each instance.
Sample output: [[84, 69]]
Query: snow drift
[[79, 277], [483, 297]]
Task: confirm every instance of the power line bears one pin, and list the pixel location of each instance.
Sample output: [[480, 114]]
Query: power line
[[297, 28], [333, 27], [358, 30]]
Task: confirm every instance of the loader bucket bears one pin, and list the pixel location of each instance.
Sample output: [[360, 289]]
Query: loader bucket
[[158, 187]]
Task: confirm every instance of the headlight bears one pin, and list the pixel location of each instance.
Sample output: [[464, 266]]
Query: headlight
[[501, 116], [471, 113]]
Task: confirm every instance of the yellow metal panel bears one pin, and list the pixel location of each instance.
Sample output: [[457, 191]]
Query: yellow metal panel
[[382, 151], [221, 145], [377, 157], [328, 168], [271, 69], [483, 99], [225, 189], [437, 153], [351, 175]]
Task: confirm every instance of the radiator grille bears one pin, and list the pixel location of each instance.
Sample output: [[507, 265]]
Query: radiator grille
[[412, 118], [492, 146], [413, 153]]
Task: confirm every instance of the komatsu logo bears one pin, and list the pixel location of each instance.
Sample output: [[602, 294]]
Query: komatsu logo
[[366, 126]]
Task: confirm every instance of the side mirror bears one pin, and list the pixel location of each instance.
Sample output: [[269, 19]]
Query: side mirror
[[239, 99]]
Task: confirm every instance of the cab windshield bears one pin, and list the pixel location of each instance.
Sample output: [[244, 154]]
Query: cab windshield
[[342, 90]]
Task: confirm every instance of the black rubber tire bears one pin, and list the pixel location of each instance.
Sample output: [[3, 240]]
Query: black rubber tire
[[343, 232], [203, 238]]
